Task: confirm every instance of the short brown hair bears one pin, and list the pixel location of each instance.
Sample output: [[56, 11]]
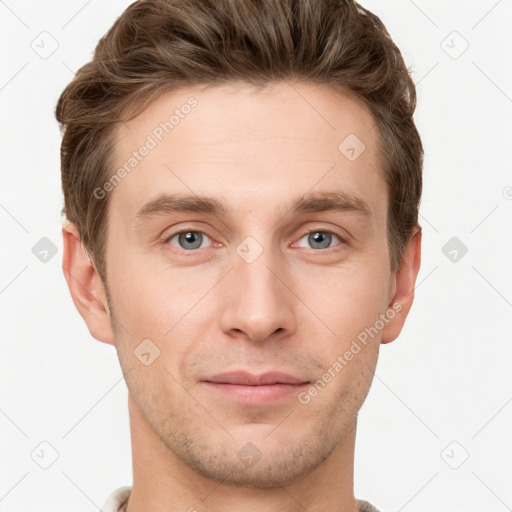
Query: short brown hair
[[156, 46]]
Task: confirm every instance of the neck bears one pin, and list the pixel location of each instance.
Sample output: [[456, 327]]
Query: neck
[[163, 482]]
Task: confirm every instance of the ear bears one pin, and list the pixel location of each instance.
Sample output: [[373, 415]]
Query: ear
[[85, 285], [403, 283]]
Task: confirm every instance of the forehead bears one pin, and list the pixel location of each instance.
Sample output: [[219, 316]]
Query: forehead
[[246, 145]]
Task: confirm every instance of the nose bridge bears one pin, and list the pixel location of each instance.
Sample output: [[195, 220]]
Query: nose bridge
[[260, 303]]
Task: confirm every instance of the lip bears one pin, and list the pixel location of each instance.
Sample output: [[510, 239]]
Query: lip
[[248, 379], [244, 387]]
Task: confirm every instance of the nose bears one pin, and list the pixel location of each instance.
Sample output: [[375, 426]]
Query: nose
[[259, 302]]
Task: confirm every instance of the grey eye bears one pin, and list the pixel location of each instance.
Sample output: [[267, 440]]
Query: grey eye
[[188, 240], [319, 239]]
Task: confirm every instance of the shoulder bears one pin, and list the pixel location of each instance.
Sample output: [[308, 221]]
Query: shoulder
[[365, 506], [116, 499]]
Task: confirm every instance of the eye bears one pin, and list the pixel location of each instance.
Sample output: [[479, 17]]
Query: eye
[[319, 239], [188, 240]]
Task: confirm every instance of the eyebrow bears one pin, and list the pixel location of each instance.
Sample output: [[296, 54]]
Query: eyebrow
[[336, 201]]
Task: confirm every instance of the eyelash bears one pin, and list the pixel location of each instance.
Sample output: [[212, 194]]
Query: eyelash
[[309, 250]]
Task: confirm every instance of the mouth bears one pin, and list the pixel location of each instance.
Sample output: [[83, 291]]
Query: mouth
[[243, 387]]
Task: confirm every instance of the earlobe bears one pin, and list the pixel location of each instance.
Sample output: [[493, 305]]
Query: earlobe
[[404, 283], [85, 285]]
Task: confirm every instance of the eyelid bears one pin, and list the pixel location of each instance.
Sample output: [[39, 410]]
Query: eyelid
[[343, 238], [169, 237]]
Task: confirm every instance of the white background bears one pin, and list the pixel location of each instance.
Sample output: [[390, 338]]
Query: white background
[[447, 378]]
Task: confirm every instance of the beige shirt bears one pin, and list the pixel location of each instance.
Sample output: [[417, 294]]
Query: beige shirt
[[119, 498]]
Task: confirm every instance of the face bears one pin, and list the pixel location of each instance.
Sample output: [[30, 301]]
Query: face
[[247, 241]]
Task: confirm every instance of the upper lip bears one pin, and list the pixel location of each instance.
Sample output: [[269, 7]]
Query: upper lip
[[248, 379]]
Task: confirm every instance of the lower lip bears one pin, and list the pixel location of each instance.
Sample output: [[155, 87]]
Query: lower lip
[[256, 394]]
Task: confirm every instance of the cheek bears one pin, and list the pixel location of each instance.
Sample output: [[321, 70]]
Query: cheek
[[152, 299], [347, 299]]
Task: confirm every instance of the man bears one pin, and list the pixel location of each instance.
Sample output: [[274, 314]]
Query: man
[[241, 182]]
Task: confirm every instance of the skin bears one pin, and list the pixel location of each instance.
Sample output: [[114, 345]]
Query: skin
[[296, 308]]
